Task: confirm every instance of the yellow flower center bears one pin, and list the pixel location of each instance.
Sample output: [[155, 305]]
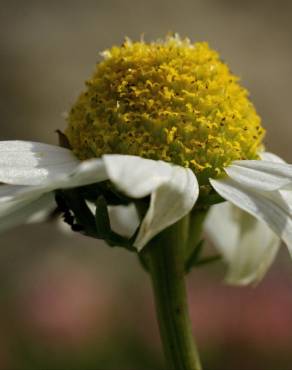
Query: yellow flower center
[[170, 100]]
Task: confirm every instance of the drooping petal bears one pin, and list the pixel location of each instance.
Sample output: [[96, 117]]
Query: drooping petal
[[30, 163], [87, 172], [13, 197], [267, 209], [10, 193], [124, 220], [284, 196], [44, 214], [271, 176], [261, 175], [247, 244], [135, 176], [18, 212], [84, 173], [21, 201], [173, 189]]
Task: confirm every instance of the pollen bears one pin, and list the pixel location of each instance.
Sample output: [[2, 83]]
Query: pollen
[[169, 100]]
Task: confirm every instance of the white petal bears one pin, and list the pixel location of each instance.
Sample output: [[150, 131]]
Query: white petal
[[266, 209], [13, 197], [10, 193], [29, 163], [135, 176], [85, 173], [19, 203], [43, 214], [173, 189], [16, 213], [261, 175], [285, 198], [248, 245], [124, 219], [271, 157]]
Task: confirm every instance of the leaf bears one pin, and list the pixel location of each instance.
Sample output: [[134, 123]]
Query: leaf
[[208, 260], [193, 259]]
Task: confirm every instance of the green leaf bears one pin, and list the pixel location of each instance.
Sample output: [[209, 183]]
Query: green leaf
[[210, 199], [208, 260], [195, 259], [195, 255]]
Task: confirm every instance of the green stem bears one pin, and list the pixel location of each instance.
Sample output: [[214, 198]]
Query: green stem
[[196, 220], [165, 260]]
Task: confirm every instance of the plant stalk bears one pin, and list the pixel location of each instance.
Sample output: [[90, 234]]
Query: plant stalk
[[165, 257]]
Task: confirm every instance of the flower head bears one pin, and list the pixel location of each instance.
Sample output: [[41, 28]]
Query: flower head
[[169, 100], [155, 122]]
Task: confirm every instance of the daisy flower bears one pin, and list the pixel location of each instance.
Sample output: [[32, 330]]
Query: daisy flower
[[167, 127], [166, 120]]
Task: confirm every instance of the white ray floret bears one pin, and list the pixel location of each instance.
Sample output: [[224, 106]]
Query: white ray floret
[[36, 169], [260, 189], [265, 209], [29, 163], [249, 246]]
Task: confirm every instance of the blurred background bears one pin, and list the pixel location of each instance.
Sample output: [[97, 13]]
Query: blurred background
[[68, 302]]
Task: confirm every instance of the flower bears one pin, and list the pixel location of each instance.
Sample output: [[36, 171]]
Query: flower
[[166, 120]]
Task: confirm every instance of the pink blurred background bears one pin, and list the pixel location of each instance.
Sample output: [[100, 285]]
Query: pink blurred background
[[69, 302]]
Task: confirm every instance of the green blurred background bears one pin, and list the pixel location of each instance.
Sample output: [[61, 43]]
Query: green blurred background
[[68, 302]]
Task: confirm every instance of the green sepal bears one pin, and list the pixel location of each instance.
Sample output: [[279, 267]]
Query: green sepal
[[195, 255], [71, 200], [102, 219], [143, 261], [104, 228], [207, 260], [104, 188], [73, 206], [195, 259], [63, 140], [210, 199]]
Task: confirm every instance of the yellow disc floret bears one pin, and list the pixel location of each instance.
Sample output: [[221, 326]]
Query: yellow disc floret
[[170, 100]]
